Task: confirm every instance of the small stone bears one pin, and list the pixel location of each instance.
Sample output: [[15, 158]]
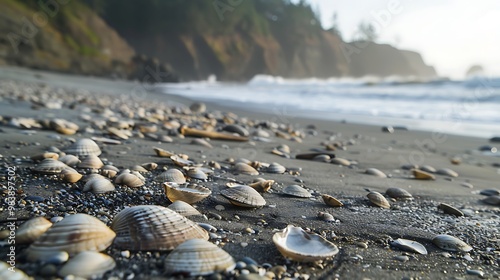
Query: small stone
[[475, 272], [56, 219], [240, 265], [220, 207], [362, 245], [402, 258], [125, 254], [388, 129], [243, 244]]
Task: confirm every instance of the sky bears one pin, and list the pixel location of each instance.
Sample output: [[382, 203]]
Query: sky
[[451, 35]]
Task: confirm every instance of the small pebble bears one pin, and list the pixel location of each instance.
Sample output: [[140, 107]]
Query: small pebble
[[362, 245], [402, 258], [125, 254], [243, 244], [220, 207]]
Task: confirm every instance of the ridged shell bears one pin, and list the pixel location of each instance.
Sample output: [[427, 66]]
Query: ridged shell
[[296, 190], [183, 208], [84, 147], [70, 175], [398, 193], [340, 161], [74, 234], [243, 168], [298, 245], [30, 230], [16, 274], [88, 265], [378, 200], [448, 209], [129, 180], [92, 162], [447, 172], [331, 201], [243, 196], [375, 172], [451, 243], [70, 160], [151, 227], [422, 175], [197, 257], [197, 173], [276, 168], [172, 175], [409, 245], [190, 194], [99, 185], [50, 166]]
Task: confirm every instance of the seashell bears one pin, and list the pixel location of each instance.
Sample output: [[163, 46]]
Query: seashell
[[179, 161], [88, 265], [243, 168], [448, 209], [428, 169], [447, 172], [74, 234], [375, 172], [340, 161], [422, 175], [214, 164], [70, 160], [172, 175], [109, 171], [147, 128], [378, 199], [327, 217], [198, 257], [30, 230], [139, 168], [242, 160], [322, 158], [196, 173], [331, 201], [262, 186], [152, 227], [63, 126], [456, 160], [70, 175], [201, 142], [492, 200], [129, 180], [298, 245], [183, 208], [489, 192], [296, 190], [15, 274], [99, 185], [190, 194], [163, 153], [92, 162], [138, 175], [450, 243], [45, 155], [243, 196], [238, 129], [398, 193], [187, 131], [50, 166], [310, 156], [91, 176], [150, 166], [409, 246], [118, 133], [84, 147], [276, 168]]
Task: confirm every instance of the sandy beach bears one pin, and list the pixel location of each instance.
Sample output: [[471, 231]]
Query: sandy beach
[[362, 231]]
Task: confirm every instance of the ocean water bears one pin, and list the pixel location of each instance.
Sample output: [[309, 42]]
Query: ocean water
[[468, 107]]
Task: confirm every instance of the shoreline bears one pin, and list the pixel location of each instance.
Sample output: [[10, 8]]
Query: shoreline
[[364, 146]]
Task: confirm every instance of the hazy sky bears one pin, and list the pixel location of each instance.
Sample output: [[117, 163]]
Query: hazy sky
[[451, 35]]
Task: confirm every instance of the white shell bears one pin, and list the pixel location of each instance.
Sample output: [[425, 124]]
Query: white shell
[[70, 175], [50, 166], [276, 168], [398, 193], [171, 175], [198, 257], [378, 200], [84, 147], [243, 168], [244, 196], [99, 185], [92, 162], [16, 274], [409, 245], [447, 172], [88, 265], [450, 243], [151, 227], [197, 173], [331, 201], [129, 180], [375, 172], [296, 190], [30, 230], [298, 245]]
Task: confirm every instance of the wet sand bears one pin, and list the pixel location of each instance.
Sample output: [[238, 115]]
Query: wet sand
[[357, 221]]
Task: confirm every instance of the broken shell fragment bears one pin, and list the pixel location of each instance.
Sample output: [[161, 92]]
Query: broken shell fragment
[[30, 230], [262, 186], [409, 245], [331, 201], [243, 196], [87, 265], [190, 194], [378, 199], [163, 153], [451, 243]]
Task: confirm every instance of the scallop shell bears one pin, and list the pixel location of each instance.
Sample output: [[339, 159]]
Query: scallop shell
[[276, 168], [129, 180], [378, 200], [198, 257], [448, 209], [50, 166], [451, 243], [340, 161], [447, 172], [15, 274], [70, 175], [70, 160], [92, 162], [172, 175], [398, 193], [243, 168], [331, 201], [190, 194], [422, 175], [298, 245], [84, 147], [183, 208], [88, 265], [296, 190], [74, 234], [99, 185], [196, 173], [30, 230], [409, 245], [151, 227], [243, 196], [375, 172], [162, 153]]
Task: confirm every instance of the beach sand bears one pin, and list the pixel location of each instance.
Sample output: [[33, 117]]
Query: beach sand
[[358, 221]]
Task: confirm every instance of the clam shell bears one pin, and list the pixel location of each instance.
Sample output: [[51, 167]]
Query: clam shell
[[150, 166], [448, 209], [428, 169], [30, 230], [179, 161], [50, 166], [183, 208], [151, 227], [276, 168], [296, 190], [378, 199], [447, 172], [84, 147], [331, 201], [492, 200], [129, 180], [16, 274], [118, 133], [190, 194], [327, 217], [70, 175], [375, 172], [398, 193], [422, 175], [70, 160], [243, 196], [451, 243], [196, 173], [74, 234], [409, 245], [238, 129], [109, 171], [243, 168], [201, 142], [88, 265], [298, 245], [99, 185], [322, 158], [198, 257], [139, 168], [92, 162], [45, 155], [340, 161], [172, 175], [163, 153]]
